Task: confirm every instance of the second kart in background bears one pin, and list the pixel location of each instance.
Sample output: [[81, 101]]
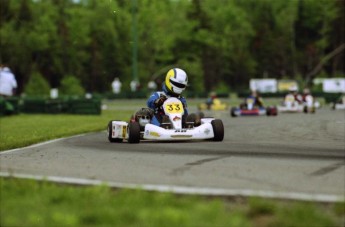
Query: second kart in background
[[339, 104], [253, 106]]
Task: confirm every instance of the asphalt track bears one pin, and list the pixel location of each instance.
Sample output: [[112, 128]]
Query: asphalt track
[[294, 156]]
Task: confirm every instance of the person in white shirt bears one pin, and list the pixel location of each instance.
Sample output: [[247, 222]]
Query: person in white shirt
[[116, 85], [134, 85], [8, 82]]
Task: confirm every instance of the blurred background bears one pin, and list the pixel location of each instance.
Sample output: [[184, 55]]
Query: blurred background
[[78, 47]]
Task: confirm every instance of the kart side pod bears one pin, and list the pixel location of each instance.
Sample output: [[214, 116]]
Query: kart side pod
[[117, 131]]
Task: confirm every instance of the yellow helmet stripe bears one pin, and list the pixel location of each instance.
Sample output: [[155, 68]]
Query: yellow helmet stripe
[[170, 74]]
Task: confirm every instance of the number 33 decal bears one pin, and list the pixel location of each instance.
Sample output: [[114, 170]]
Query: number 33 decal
[[171, 107]]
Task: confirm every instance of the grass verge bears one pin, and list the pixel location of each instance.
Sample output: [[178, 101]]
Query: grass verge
[[33, 203], [27, 129]]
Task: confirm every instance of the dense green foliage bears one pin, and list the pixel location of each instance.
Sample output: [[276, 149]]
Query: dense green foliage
[[32, 203], [37, 85], [71, 86], [219, 43]]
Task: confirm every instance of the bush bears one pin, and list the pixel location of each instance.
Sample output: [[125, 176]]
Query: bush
[[37, 86], [71, 86]]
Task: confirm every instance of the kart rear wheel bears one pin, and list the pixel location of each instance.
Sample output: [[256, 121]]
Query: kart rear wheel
[[218, 130], [232, 112], [133, 132], [201, 114], [110, 132], [305, 109], [194, 119], [271, 111], [268, 111]]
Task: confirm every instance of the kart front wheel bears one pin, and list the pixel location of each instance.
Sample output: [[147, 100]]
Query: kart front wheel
[[232, 112], [271, 111], [110, 132], [133, 132], [218, 130]]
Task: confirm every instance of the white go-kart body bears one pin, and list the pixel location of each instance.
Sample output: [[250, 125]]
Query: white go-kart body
[[340, 105], [175, 130], [290, 105]]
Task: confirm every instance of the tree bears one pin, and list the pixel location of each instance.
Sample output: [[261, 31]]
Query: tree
[[223, 42], [313, 31], [71, 86], [37, 86]]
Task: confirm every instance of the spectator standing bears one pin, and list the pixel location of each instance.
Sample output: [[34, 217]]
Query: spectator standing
[[152, 86], [8, 82], [134, 85], [116, 85]]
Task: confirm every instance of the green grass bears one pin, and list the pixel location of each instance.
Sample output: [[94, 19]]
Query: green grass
[[33, 203], [26, 129]]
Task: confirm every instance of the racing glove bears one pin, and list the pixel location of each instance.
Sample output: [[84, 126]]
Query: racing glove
[[159, 102]]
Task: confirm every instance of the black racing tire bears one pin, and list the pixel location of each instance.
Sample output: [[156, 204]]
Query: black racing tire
[[191, 117], [268, 111], [305, 109], [133, 132], [195, 118], [198, 117], [218, 130], [232, 112], [201, 114], [110, 132]]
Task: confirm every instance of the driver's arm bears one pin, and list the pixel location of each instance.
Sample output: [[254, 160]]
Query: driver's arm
[[151, 101], [260, 101], [156, 100], [184, 103]]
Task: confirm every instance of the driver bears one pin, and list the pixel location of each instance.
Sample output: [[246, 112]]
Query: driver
[[175, 83], [293, 96], [257, 100]]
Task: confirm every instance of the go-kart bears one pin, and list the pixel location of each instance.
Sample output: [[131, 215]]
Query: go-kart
[[215, 105], [173, 127], [250, 109], [291, 105], [339, 104], [309, 105]]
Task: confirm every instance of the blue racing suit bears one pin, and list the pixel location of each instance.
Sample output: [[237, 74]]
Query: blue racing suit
[[158, 111], [257, 100]]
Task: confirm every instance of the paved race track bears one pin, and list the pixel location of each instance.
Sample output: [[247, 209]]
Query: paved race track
[[298, 156]]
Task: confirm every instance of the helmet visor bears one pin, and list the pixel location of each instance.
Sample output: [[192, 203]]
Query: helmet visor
[[177, 84]]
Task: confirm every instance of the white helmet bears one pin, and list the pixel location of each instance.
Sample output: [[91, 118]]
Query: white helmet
[[176, 81]]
